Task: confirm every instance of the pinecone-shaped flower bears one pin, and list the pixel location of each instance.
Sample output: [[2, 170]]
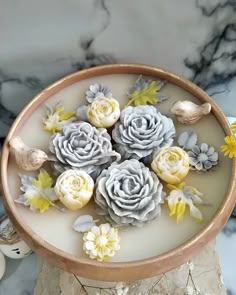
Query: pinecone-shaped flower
[[128, 194], [82, 146], [141, 131]]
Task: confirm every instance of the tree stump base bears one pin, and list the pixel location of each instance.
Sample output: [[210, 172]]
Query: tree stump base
[[200, 276]]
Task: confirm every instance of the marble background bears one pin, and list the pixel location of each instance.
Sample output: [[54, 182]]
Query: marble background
[[42, 41]]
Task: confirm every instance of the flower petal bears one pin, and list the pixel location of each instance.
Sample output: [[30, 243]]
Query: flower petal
[[204, 147], [196, 213]]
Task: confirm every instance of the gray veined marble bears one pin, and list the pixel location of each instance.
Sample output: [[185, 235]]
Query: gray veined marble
[[196, 39]]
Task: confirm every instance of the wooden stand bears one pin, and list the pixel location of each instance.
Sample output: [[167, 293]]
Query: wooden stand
[[200, 276]]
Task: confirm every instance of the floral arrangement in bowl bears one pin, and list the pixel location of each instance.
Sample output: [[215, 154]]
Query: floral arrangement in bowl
[[127, 162]]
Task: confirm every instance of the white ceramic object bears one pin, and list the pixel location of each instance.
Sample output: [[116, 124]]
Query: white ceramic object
[[16, 251], [10, 246]]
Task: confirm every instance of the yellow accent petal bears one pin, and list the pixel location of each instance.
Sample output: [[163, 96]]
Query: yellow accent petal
[[39, 203], [44, 180], [180, 211], [199, 220], [58, 110], [229, 149], [66, 116], [176, 187], [172, 207]]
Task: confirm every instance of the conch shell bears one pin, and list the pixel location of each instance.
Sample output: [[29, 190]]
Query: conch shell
[[27, 158], [187, 112]]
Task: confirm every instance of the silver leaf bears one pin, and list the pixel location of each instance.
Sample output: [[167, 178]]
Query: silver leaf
[[81, 113], [187, 139], [161, 96], [83, 223], [21, 200]]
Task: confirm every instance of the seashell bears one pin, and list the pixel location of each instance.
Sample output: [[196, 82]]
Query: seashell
[[27, 158], [187, 112]]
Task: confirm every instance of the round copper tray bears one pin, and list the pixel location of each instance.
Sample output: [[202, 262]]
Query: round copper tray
[[126, 270]]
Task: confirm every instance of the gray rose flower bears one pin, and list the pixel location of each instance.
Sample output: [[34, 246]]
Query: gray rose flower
[[82, 146], [96, 90], [128, 194], [203, 157], [141, 131]]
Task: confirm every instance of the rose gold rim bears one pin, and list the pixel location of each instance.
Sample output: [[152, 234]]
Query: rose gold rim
[[126, 270]]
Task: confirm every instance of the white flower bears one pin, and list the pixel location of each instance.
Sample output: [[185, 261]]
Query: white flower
[[103, 112], [74, 188], [171, 164], [101, 242], [182, 196]]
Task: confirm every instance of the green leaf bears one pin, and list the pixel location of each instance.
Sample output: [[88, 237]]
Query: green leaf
[[39, 203], [44, 180], [66, 116]]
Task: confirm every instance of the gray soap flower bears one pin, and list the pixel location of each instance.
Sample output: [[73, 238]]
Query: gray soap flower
[[96, 90], [128, 194], [141, 131], [203, 157], [81, 146]]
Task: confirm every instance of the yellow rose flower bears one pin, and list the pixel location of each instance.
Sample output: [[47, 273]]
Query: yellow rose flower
[[171, 164], [74, 188], [103, 112]]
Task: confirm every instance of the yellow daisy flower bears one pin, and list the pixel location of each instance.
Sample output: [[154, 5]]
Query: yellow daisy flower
[[233, 127], [229, 149]]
